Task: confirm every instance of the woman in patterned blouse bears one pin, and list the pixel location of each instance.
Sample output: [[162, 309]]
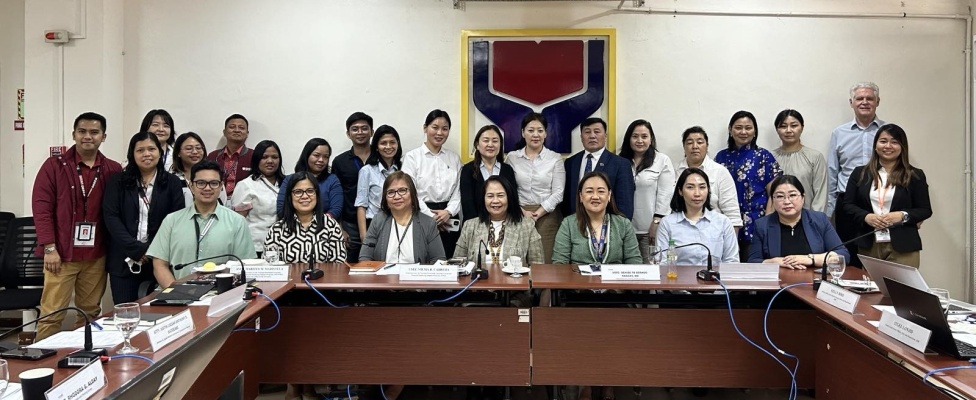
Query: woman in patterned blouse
[[753, 168], [304, 231]]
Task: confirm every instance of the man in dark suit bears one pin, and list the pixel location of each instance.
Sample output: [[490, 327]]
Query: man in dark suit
[[595, 157]]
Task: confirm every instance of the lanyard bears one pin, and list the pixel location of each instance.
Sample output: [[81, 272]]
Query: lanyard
[[273, 188], [84, 193], [598, 249], [201, 235], [396, 227], [357, 162], [882, 196]]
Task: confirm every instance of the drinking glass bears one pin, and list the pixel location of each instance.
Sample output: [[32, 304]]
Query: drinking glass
[[943, 295], [127, 316], [836, 264], [516, 264], [653, 255], [4, 376], [271, 256]]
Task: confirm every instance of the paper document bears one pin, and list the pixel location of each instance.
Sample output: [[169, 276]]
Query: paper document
[[13, 392], [587, 270], [76, 340], [390, 269], [882, 308], [462, 270], [859, 284], [969, 338], [875, 324]]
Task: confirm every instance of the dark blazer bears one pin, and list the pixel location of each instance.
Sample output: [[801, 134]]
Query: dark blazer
[[120, 211], [427, 246], [913, 199], [821, 236], [473, 188], [621, 181]]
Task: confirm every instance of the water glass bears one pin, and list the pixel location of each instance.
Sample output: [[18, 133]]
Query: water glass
[[654, 255], [4, 376], [943, 295], [127, 317], [271, 256], [836, 264]]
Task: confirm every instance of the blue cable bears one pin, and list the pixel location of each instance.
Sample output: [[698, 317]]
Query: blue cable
[[925, 378], [320, 294], [794, 389], [736, 327], [455, 295], [349, 392], [274, 325], [131, 356], [382, 392]]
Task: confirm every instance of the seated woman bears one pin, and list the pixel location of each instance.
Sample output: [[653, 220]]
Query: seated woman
[[792, 236], [304, 231], [598, 233], [693, 221], [133, 208], [502, 226], [400, 233]]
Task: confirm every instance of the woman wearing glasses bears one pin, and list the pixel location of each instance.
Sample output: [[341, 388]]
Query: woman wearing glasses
[[134, 205], [315, 159], [304, 231], [792, 236], [189, 151], [400, 233]]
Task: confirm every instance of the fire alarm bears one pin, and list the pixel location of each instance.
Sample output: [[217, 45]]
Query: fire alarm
[[56, 36]]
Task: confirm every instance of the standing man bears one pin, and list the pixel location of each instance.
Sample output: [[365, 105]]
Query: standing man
[[67, 206], [851, 145], [234, 157], [201, 231], [595, 157], [346, 166]]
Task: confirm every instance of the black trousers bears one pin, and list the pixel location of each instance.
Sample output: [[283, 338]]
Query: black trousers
[[448, 239], [846, 229]]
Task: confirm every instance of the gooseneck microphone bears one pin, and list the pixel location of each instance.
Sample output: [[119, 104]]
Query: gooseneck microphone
[[707, 274], [823, 268], [313, 272], [479, 271], [249, 292], [77, 359]]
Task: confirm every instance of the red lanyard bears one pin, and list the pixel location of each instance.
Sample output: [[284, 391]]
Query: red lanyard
[[84, 193]]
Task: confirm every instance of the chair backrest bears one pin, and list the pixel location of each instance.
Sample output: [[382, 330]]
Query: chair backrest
[[5, 218], [21, 267]]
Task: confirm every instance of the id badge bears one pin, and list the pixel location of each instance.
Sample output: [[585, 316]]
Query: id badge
[[85, 234]]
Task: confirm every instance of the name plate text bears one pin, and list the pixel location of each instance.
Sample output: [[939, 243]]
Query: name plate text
[[838, 297]]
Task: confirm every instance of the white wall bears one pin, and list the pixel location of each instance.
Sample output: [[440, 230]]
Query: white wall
[[11, 79], [298, 68]]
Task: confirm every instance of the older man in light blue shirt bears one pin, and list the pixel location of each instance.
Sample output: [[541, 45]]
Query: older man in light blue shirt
[[851, 145]]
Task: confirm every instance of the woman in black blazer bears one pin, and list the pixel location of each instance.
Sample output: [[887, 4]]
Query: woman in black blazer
[[143, 187], [889, 192], [488, 154]]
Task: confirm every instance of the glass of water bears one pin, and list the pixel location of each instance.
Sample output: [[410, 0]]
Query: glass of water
[[836, 265], [943, 295], [654, 255], [127, 316], [271, 256], [4, 376]]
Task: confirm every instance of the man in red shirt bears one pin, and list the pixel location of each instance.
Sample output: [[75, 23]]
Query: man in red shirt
[[67, 206], [234, 158]]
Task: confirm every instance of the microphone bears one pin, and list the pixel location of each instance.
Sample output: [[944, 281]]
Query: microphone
[[313, 272], [823, 269], [707, 274], [479, 272], [249, 292], [77, 359]]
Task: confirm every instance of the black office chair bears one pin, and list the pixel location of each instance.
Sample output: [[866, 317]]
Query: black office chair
[[5, 219], [21, 271]]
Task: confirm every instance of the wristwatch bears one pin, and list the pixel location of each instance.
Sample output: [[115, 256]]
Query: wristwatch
[[904, 217], [49, 250], [813, 261]]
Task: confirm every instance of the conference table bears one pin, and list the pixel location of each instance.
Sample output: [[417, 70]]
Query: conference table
[[671, 333]]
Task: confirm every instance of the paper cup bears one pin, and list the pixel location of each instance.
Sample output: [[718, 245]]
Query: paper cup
[[34, 382]]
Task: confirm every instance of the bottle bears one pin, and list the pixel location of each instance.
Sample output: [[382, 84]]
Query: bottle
[[671, 260]]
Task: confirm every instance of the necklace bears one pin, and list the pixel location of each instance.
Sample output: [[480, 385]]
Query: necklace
[[495, 246], [792, 226]]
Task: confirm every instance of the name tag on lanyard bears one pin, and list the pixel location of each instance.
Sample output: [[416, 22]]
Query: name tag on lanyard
[[85, 231]]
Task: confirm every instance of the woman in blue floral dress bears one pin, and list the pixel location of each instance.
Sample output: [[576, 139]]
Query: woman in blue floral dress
[[753, 168]]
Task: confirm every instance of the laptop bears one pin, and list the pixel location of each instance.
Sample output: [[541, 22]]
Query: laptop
[[924, 309], [879, 269]]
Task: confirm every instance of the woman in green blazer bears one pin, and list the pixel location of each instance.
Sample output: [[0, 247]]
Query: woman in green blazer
[[597, 233], [501, 225]]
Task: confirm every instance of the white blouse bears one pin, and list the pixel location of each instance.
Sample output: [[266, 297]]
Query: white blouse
[[437, 177], [263, 196], [541, 180], [655, 187]]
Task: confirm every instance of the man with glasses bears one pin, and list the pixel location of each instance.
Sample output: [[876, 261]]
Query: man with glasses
[[346, 166], [204, 230], [234, 157], [67, 206]]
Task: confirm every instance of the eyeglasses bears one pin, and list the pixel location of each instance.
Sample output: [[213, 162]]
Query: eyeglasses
[[783, 197], [303, 192], [201, 184], [359, 129], [192, 149], [394, 192]]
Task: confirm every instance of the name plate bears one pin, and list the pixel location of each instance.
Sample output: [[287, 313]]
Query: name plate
[[749, 272], [838, 297], [435, 273], [905, 331], [262, 273], [81, 385], [169, 330], [632, 272]]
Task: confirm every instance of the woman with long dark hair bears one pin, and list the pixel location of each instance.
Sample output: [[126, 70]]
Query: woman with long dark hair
[[385, 158], [501, 225], [654, 180], [315, 160], [135, 203], [488, 161], [889, 192], [693, 221], [256, 198], [598, 233]]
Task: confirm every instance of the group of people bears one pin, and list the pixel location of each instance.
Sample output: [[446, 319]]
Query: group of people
[[174, 203]]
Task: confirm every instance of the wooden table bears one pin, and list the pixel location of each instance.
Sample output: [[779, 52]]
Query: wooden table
[[410, 344], [696, 347]]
